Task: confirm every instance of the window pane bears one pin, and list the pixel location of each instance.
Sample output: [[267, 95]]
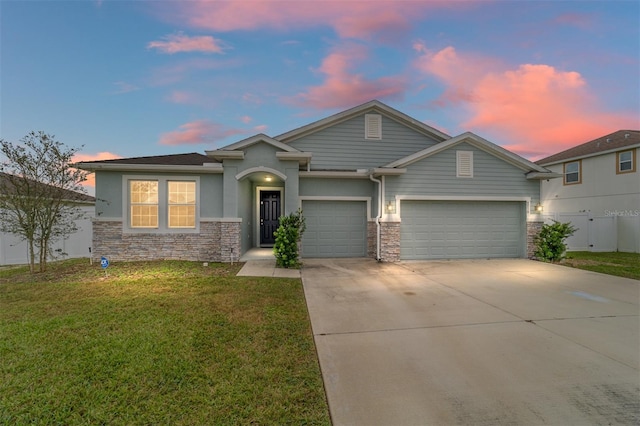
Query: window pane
[[182, 216], [571, 168], [571, 177], [144, 216], [626, 162], [144, 191], [144, 203], [182, 200], [625, 156]]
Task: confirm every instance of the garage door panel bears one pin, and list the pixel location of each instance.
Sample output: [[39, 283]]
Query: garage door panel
[[465, 229], [334, 228]]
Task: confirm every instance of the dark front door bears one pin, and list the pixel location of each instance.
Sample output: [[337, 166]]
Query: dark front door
[[269, 215]]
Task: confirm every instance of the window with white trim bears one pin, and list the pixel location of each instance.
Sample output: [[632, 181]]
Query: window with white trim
[[464, 164], [573, 172], [144, 203], [626, 162], [182, 204], [162, 204], [373, 126]]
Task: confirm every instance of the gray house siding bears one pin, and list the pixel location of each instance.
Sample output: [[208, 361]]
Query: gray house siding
[[436, 175], [344, 147], [109, 196], [317, 187]]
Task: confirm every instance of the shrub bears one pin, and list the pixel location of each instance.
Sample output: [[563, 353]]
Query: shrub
[[550, 246], [287, 236]]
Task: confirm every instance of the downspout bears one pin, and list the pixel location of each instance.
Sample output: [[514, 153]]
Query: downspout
[[378, 216]]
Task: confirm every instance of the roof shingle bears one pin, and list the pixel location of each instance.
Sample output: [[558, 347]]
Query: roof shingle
[[613, 141]]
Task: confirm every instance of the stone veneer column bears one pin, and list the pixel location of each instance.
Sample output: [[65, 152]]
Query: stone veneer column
[[390, 241], [372, 239], [533, 229], [230, 244]]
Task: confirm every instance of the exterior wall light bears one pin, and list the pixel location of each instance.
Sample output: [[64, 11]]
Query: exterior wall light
[[390, 207], [539, 208], [268, 178]]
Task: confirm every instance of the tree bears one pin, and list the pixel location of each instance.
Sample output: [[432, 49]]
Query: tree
[[38, 187]]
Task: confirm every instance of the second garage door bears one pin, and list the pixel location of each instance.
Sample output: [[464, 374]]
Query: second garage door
[[461, 229], [335, 228]]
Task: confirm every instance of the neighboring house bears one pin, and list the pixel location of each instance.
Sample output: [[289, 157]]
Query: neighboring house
[[599, 192], [14, 251], [371, 181]]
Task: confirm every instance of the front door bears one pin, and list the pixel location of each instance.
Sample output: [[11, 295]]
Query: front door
[[269, 215]]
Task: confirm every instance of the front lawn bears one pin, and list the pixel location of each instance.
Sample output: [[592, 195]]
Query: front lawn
[[612, 263], [155, 343]]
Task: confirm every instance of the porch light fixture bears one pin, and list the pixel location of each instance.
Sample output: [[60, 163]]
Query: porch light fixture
[[391, 207], [268, 178], [539, 208]]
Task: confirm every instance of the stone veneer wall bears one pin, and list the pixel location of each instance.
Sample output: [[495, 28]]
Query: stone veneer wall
[[533, 229], [216, 242], [390, 241], [372, 239]]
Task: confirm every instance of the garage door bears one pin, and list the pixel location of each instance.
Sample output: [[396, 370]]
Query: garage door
[[335, 229], [461, 229]]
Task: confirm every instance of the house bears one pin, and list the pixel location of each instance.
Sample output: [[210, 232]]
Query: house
[[599, 192], [371, 181], [14, 251]]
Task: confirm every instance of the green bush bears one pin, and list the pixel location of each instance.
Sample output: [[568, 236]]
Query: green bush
[[287, 236], [550, 246]]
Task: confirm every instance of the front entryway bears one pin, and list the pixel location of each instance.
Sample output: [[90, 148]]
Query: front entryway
[[269, 215]]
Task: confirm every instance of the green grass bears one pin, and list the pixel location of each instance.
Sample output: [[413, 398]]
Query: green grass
[[612, 263], [155, 343]]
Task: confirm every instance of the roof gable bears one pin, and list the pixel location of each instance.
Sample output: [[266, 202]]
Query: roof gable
[[611, 142], [259, 138], [371, 106], [478, 142]]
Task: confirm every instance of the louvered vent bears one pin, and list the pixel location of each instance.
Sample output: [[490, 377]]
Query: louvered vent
[[464, 164], [373, 126]]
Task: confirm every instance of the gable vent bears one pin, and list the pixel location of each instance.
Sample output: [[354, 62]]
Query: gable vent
[[464, 163], [372, 126]]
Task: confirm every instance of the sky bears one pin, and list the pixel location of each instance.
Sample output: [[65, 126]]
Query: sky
[[121, 78]]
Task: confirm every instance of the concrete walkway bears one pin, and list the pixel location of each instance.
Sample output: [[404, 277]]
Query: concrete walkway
[[260, 262], [491, 342]]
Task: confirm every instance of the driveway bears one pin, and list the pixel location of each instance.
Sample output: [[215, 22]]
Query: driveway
[[486, 342]]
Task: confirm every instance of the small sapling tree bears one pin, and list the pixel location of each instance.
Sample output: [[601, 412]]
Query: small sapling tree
[[38, 187]]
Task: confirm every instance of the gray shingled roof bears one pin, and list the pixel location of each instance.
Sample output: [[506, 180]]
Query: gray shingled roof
[[190, 159], [5, 183], [611, 142]]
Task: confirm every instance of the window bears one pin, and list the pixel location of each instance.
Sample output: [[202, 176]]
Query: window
[[372, 126], [626, 162], [182, 204], [573, 172], [144, 203], [464, 164], [161, 204]]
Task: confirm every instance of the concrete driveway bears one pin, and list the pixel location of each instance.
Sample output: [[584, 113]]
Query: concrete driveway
[[485, 342]]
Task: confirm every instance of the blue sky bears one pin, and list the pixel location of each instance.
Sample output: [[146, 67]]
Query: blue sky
[[137, 78]]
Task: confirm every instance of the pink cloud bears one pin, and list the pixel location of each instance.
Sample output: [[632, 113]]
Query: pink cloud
[[539, 108], [197, 132], [245, 119], [342, 88], [349, 18], [105, 155], [579, 20], [179, 42]]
